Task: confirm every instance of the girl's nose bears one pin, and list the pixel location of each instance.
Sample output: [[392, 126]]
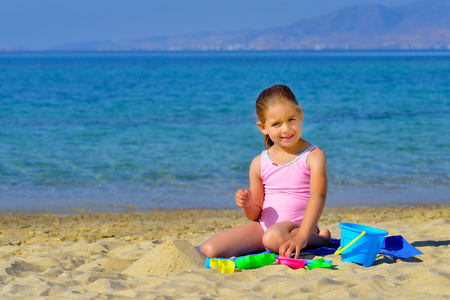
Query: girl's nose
[[285, 128]]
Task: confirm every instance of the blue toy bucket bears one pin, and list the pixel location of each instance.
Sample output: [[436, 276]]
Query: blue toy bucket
[[365, 249]]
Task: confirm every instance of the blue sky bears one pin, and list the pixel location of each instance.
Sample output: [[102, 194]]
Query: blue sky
[[40, 24]]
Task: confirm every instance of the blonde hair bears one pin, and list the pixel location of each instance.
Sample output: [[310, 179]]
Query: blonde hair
[[270, 96]]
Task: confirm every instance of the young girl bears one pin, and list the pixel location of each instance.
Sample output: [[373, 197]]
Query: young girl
[[288, 187]]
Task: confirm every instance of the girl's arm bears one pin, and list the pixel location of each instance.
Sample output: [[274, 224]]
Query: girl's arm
[[251, 200], [317, 163]]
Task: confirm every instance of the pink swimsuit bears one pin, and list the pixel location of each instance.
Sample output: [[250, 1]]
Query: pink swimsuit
[[286, 189]]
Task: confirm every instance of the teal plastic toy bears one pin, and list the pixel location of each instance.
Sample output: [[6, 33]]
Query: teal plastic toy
[[360, 243], [254, 261], [319, 263]]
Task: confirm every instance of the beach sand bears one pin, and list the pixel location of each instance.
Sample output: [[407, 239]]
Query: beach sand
[[153, 255]]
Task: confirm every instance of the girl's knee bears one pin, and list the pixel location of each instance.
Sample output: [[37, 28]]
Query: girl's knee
[[277, 234], [208, 249], [326, 235], [272, 240]]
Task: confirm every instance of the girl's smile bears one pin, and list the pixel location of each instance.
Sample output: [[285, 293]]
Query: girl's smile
[[287, 137]]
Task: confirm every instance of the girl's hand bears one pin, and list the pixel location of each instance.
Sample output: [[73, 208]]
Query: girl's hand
[[243, 198], [295, 244]]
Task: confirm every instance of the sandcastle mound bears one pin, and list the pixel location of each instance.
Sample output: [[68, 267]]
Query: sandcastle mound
[[167, 259]]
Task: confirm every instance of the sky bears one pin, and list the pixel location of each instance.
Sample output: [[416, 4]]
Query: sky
[[42, 24]]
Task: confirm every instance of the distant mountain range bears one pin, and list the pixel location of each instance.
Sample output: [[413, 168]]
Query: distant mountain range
[[417, 26]]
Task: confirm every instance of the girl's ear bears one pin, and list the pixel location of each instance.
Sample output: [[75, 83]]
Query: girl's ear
[[262, 128], [301, 116]]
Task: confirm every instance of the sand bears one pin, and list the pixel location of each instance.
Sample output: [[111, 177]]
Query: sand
[[153, 255]]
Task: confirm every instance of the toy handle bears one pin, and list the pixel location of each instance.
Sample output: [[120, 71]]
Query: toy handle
[[339, 250]]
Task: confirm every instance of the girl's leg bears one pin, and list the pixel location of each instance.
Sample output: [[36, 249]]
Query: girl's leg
[[279, 233], [236, 241]]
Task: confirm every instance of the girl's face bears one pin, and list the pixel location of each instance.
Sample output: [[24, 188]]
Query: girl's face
[[283, 124]]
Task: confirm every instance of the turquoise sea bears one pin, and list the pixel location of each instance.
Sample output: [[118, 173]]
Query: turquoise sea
[[110, 131]]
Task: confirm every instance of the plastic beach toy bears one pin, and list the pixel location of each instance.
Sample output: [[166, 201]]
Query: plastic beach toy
[[360, 244], [319, 263], [225, 266], [291, 262], [255, 261]]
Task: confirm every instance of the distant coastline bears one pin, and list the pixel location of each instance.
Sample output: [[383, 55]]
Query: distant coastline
[[418, 26], [363, 52]]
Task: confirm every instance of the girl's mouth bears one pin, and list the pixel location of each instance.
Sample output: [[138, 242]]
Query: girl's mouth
[[287, 137]]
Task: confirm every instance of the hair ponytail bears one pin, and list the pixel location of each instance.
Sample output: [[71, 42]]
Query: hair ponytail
[[268, 142]]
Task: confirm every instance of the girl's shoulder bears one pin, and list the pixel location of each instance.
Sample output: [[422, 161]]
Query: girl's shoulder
[[257, 160], [315, 151], [255, 166], [316, 157]]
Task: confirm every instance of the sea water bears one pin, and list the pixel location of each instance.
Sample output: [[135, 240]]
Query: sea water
[[110, 131]]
